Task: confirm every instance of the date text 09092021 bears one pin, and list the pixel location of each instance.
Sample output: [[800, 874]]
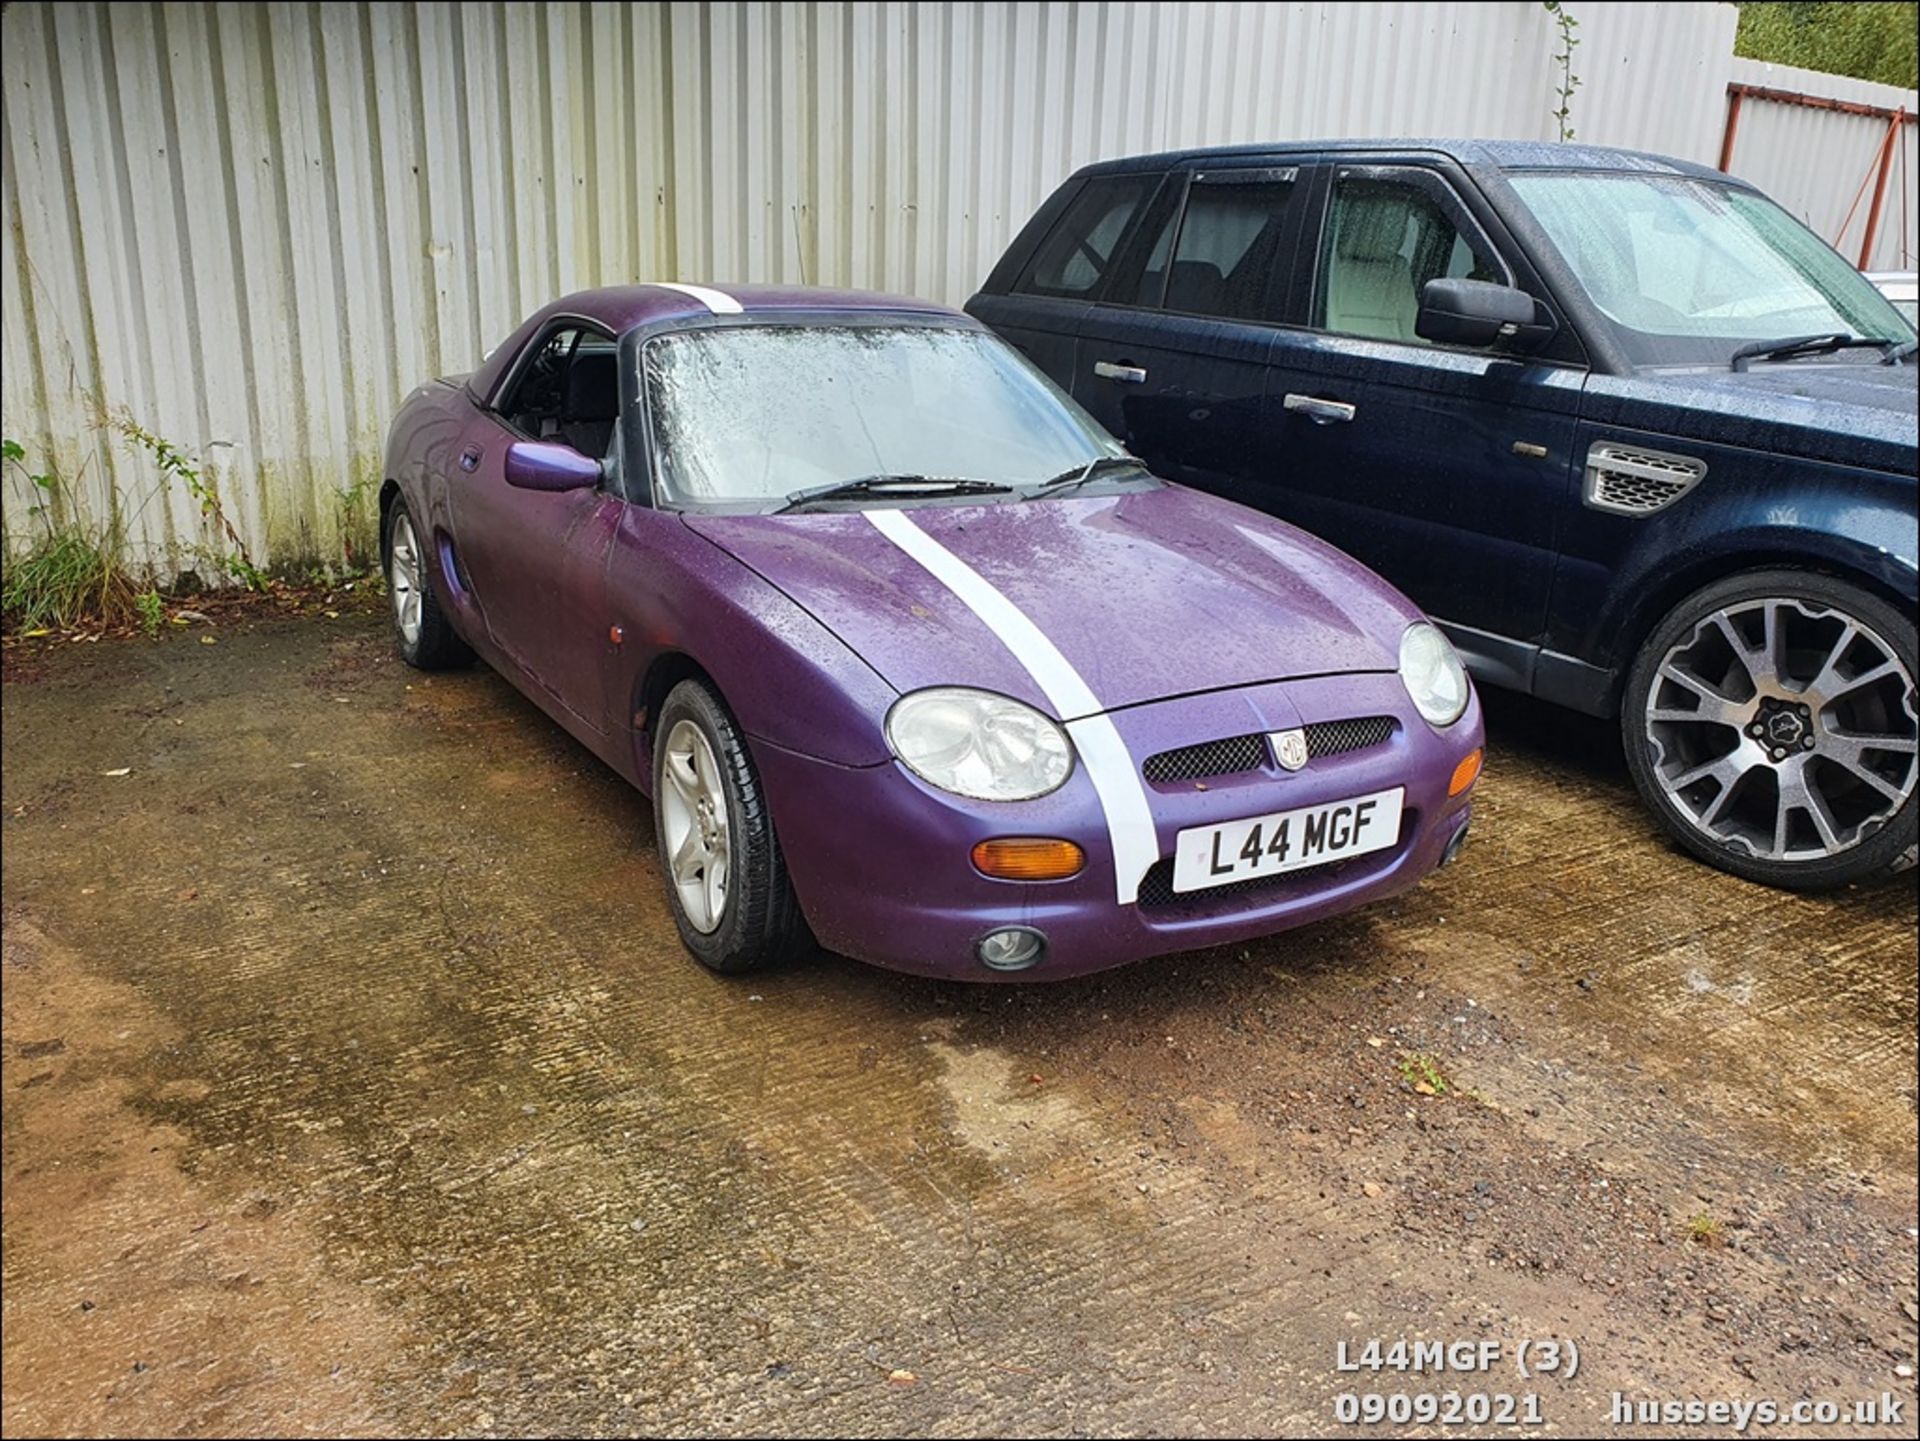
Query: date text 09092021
[[1450, 1408]]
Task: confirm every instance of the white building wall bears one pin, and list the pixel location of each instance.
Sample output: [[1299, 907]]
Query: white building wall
[[252, 229]]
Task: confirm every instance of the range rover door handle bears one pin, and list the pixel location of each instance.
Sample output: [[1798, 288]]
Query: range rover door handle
[[1114, 370], [1320, 412]]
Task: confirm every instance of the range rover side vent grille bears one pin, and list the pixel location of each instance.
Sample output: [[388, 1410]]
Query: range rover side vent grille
[[1629, 481]]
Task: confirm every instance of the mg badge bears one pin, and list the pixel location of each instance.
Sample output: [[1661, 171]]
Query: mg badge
[[1290, 748]]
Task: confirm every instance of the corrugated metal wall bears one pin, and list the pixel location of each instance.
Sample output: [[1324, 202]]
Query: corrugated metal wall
[[250, 230], [1820, 164]]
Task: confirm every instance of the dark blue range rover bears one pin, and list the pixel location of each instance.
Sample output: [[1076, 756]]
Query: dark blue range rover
[[1639, 440]]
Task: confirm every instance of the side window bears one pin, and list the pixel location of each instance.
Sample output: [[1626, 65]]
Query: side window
[[1229, 243], [1390, 231], [568, 392], [1083, 243], [1136, 279]]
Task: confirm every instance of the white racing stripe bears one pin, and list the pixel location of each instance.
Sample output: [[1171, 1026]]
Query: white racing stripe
[[1109, 766], [718, 301]]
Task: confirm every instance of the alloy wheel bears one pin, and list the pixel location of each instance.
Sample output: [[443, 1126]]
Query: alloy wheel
[[696, 826], [1784, 728], [403, 578]]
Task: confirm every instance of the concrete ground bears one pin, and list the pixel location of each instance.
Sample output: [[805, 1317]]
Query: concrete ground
[[354, 1081]]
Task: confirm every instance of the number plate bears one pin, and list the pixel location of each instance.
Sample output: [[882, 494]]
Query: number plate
[[1287, 841]]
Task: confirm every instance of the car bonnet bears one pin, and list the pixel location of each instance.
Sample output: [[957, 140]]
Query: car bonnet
[[1077, 605]]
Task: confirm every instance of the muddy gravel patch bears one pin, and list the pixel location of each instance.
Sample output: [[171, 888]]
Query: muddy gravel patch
[[355, 1080]]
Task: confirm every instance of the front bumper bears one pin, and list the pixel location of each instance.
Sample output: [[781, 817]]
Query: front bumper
[[881, 862]]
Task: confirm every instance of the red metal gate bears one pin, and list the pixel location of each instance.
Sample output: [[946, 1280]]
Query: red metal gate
[[1879, 169]]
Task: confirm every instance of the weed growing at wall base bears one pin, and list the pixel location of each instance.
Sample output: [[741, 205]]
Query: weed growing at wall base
[[359, 526], [71, 572], [176, 464], [152, 611], [65, 579]]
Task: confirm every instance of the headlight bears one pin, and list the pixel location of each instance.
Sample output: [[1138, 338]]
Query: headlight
[[977, 744], [1432, 674]]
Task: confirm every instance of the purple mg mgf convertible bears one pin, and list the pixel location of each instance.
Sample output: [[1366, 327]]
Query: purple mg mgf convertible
[[907, 650]]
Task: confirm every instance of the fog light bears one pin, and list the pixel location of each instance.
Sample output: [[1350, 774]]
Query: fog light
[[1466, 773], [1028, 858], [1011, 948]]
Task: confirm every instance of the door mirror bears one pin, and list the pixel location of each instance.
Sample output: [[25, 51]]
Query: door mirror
[[542, 465], [1478, 312]]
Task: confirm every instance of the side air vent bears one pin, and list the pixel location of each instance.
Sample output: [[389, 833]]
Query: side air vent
[[1629, 481]]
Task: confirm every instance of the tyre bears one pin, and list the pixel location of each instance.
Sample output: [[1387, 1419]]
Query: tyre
[[726, 880], [425, 637], [1770, 723]]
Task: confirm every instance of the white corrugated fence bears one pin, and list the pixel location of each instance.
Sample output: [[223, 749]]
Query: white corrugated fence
[[1823, 165], [248, 231]]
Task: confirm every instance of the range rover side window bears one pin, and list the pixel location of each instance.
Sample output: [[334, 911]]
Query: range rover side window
[[1230, 237], [1077, 252], [1389, 231]]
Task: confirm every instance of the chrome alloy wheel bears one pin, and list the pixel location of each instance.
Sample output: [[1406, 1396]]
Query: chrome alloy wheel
[[1785, 728], [696, 826], [403, 578]]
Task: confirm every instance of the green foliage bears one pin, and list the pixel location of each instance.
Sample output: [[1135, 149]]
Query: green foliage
[[1421, 1074], [14, 456], [1870, 41], [71, 573], [152, 611], [176, 464], [358, 526], [1569, 82], [69, 577], [236, 564], [1704, 1230]]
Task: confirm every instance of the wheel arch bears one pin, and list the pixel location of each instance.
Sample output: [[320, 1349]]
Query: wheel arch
[[650, 691], [1879, 842], [389, 493], [1658, 593]]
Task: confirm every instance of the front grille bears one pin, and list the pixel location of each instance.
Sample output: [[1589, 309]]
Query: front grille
[[1333, 738], [1630, 481], [1239, 754], [1157, 892], [1212, 758]]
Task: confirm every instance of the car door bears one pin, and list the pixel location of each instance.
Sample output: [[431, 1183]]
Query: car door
[[535, 561], [1039, 306], [1173, 358], [1446, 469]]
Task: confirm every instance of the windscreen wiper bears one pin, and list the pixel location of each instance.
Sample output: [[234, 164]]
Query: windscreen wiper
[[1903, 351], [1081, 474], [1795, 345], [915, 485]]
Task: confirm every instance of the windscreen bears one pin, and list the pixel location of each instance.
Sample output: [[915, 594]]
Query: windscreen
[[1688, 270], [757, 413]]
